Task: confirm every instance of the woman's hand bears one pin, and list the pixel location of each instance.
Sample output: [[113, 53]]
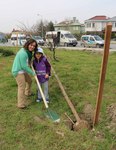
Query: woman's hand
[[46, 76]]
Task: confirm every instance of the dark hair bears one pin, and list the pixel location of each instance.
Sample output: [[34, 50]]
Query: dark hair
[[30, 41]]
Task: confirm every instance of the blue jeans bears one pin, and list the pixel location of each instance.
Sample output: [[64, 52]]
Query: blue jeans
[[45, 90]]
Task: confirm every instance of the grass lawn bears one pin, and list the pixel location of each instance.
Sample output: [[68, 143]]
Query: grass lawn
[[29, 129]]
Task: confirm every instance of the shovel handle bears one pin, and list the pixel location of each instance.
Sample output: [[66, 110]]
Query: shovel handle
[[39, 86]]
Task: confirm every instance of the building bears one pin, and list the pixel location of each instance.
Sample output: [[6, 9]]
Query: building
[[74, 26], [17, 32], [98, 24], [113, 21]]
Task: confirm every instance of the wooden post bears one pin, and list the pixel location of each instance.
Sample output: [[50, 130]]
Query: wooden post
[[17, 41], [66, 97], [103, 71]]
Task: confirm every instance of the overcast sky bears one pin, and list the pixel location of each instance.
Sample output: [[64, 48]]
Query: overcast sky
[[12, 12]]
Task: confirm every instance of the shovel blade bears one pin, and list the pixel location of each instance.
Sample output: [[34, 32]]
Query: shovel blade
[[52, 115]]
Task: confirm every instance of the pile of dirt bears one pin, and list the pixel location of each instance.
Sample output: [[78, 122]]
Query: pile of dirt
[[88, 113], [83, 124], [86, 119], [111, 113]]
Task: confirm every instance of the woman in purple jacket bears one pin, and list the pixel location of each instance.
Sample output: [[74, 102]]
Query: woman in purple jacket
[[43, 70]]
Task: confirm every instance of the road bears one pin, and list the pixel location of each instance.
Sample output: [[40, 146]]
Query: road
[[112, 46]]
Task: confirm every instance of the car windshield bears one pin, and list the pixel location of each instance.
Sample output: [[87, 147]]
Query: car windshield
[[98, 38], [69, 35], [85, 38], [22, 38], [37, 37]]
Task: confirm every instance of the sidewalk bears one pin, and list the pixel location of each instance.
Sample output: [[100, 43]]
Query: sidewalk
[[85, 49]]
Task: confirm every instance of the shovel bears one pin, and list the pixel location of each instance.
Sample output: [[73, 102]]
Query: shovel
[[49, 113]]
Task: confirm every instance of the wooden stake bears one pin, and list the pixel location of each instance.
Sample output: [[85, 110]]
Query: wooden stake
[[17, 42], [66, 96], [103, 71]]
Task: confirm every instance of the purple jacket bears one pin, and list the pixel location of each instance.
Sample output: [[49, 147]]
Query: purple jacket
[[42, 67]]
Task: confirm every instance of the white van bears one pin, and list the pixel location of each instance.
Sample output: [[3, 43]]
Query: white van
[[39, 40], [92, 41], [18, 39], [63, 38]]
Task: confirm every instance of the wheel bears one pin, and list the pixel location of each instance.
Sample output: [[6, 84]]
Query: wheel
[[82, 45], [97, 46], [66, 44]]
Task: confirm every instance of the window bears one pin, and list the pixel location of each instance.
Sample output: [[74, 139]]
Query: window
[[88, 25], [93, 25], [85, 38], [62, 36], [75, 28], [114, 24], [91, 39], [13, 38]]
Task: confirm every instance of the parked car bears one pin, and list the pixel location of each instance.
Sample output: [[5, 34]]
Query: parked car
[[39, 40], [3, 38], [92, 41]]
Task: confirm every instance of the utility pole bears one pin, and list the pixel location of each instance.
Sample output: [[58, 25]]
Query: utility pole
[[41, 24]]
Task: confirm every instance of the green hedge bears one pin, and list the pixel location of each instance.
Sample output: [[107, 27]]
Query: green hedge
[[5, 53]]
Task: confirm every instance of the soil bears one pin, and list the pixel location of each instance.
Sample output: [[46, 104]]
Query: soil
[[83, 124], [111, 115], [86, 119], [88, 114]]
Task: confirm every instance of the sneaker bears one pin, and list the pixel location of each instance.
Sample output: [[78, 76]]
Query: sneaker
[[38, 100]]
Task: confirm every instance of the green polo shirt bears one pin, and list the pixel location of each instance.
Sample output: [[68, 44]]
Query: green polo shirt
[[21, 63]]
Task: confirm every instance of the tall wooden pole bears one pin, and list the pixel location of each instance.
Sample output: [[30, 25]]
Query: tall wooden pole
[[17, 42], [103, 72]]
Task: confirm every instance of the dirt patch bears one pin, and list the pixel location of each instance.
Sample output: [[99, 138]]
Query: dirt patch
[[2, 65], [67, 122], [111, 113], [74, 125], [99, 136], [39, 119], [83, 124], [88, 114]]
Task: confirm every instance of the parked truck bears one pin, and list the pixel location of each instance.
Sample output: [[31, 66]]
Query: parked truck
[[61, 38], [18, 39]]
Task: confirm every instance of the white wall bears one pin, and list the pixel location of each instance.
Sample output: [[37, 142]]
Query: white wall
[[98, 26]]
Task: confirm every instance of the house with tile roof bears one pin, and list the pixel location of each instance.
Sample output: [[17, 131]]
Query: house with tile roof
[[98, 24], [74, 26], [113, 21]]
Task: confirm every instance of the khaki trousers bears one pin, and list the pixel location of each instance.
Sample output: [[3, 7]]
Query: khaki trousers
[[24, 88]]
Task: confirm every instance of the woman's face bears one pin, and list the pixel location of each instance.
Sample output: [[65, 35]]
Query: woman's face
[[31, 46]]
